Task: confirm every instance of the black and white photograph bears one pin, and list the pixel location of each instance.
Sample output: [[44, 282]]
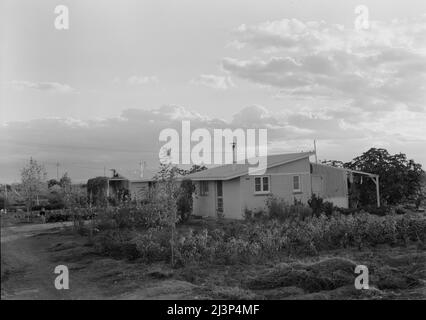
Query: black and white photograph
[[213, 155]]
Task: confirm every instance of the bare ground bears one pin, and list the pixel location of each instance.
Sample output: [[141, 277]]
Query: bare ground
[[29, 254]]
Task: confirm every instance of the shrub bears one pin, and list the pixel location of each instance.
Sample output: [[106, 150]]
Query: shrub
[[184, 201], [254, 215], [237, 242], [318, 206], [280, 210], [152, 245], [116, 243]]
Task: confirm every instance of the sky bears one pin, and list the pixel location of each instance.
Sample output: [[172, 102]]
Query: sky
[[96, 96]]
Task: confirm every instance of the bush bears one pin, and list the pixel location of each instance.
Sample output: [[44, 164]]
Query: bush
[[318, 206], [117, 244], [184, 201], [68, 215], [255, 241], [280, 210], [152, 245], [254, 215]]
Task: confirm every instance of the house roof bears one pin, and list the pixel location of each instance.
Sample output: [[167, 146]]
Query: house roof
[[134, 176], [346, 170], [231, 171]]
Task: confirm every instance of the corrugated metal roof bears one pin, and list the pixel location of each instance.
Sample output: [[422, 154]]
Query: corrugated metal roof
[[230, 171]]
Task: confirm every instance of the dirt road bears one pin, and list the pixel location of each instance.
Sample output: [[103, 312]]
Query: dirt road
[[27, 267], [30, 253]]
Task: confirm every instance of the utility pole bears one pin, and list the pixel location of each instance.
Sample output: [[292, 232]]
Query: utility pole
[[57, 171], [315, 150]]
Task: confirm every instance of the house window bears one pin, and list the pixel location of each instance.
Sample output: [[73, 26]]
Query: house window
[[219, 194], [261, 184], [296, 184], [204, 188]]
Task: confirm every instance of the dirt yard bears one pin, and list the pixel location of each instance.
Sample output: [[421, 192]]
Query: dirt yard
[[29, 254]]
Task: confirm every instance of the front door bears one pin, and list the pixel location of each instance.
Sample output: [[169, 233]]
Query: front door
[[219, 197]]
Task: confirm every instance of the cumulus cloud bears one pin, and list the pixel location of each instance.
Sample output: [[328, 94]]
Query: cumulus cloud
[[40, 86], [316, 36], [137, 80], [142, 80], [213, 81], [84, 147], [382, 68]]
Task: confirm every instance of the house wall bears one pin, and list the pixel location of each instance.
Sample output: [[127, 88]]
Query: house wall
[[281, 185], [138, 189], [204, 206], [232, 199], [330, 184], [239, 194]]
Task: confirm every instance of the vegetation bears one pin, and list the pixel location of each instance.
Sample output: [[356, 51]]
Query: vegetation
[[184, 201], [96, 191], [256, 240], [400, 178], [32, 180]]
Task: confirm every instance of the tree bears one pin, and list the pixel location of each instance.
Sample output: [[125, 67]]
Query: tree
[[167, 191], [97, 190], [185, 192], [400, 178], [193, 169], [33, 177], [52, 182], [333, 163], [184, 200], [65, 181]]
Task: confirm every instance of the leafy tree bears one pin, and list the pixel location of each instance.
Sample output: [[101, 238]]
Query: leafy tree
[[167, 191], [65, 181], [33, 177], [193, 169], [185, 192], [333, 163], [184, 200], [96, 190], [400, 178], [52, 182]]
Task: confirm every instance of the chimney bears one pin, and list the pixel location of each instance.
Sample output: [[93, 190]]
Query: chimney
[[234, 158]]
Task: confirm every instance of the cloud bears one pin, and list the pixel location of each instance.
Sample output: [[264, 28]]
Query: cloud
[[382, 68], [293, 35], [142, 80], [213, 81], [138, 80], [84, 147], [40, 86]]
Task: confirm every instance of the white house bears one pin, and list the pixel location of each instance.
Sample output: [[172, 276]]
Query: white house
[[229, 189]]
